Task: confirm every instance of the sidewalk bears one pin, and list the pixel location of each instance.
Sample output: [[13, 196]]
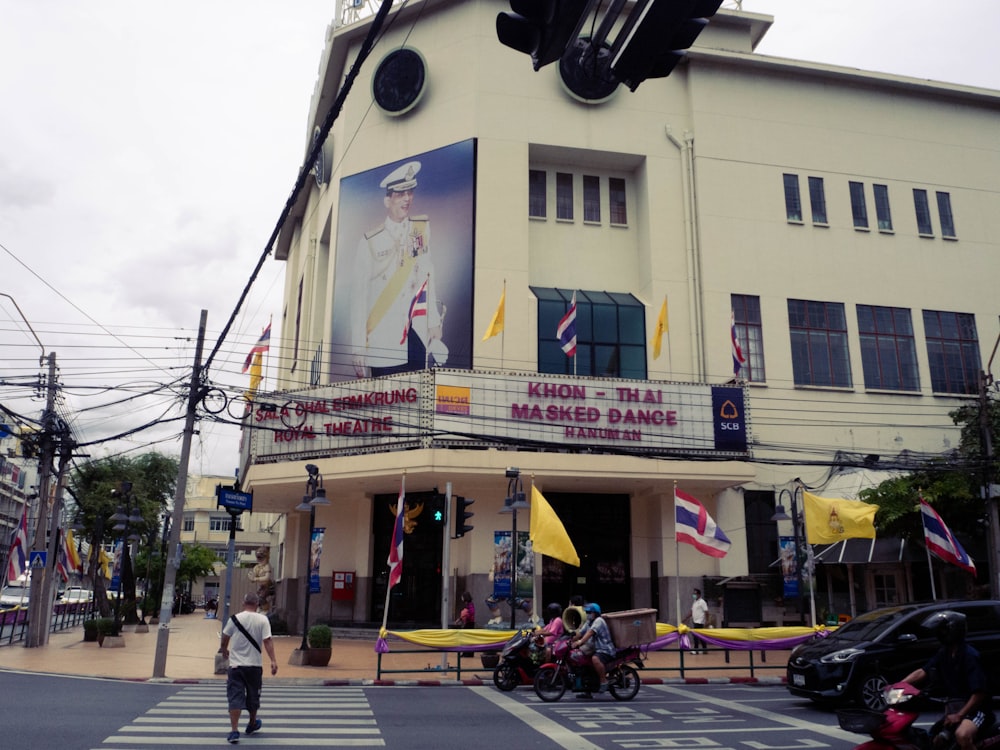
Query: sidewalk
[[194, 642]]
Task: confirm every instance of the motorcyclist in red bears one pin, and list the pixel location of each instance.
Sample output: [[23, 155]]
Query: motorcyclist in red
[[958, 669]]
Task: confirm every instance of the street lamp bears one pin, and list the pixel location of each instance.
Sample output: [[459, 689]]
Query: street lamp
[[126, 515], [315, 495], [514, 502], [797, 538]]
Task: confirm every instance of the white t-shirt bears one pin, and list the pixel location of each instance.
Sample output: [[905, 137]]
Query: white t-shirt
[[698, 611], [241, 651]]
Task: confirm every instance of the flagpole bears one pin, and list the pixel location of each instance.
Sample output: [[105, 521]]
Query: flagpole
[[930, 571], [263, 372], [677, 561], [388, 588], [503, 331]]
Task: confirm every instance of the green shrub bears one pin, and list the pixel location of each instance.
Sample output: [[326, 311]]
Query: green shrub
[[320, 636], [107, 626], [278, 626]]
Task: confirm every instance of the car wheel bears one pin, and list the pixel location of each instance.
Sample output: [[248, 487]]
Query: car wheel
[[870, 692]]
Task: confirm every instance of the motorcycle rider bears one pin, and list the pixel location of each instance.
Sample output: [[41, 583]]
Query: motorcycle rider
[[959, 669], [596, 630], [553, 629]]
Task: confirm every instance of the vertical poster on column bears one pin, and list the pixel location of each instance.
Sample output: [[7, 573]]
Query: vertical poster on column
[[504, 566], [789, 570], [116, 569], [402, 295], [315, 555]]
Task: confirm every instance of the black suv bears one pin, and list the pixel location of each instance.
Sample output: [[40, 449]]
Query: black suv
[[858, 659]]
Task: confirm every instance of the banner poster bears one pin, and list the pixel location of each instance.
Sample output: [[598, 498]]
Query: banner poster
[[789, 574], [315, 555], [116, 568], [502, 571]]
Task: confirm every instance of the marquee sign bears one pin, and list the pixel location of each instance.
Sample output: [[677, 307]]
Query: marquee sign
[[459, 407]]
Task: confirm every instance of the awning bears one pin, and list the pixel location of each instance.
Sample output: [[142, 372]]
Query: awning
[[878, 550]]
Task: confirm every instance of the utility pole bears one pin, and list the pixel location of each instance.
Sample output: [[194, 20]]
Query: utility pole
[[174, 557], [40, 611], [986, 443]]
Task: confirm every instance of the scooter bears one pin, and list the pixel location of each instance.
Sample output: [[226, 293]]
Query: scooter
[[573, 670], [892, 729], [519, 660]]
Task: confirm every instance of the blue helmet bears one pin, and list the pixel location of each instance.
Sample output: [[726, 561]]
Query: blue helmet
[[593, 607]]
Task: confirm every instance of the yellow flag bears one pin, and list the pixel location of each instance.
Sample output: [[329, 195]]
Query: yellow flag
[[829, 521], [548, 535], [256, 375], [71, 553], [105, 563], [496, 325], [661, 328]]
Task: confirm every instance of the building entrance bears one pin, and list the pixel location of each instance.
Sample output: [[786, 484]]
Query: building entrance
[[600, 529], [416, 600]]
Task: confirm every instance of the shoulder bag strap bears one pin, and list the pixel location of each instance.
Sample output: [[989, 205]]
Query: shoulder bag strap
[[246, 634]]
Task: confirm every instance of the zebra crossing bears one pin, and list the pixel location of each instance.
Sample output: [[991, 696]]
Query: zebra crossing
[[292, 716]]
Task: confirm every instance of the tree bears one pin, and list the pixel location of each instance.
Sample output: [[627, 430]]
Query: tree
[[93, 487]]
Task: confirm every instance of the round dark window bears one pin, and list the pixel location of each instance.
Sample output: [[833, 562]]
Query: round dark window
[[399, 81]]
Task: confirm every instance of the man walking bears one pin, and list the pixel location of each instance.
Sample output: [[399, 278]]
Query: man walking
[[246, 631], [698, 619]]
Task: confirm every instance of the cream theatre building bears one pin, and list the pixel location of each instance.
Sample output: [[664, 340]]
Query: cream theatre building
[[841, 224]]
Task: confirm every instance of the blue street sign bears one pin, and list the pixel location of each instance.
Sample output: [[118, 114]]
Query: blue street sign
[[37, 558], [235, 500]]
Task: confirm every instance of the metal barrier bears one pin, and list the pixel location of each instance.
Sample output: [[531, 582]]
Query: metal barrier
[[14, 622], [752, 664]]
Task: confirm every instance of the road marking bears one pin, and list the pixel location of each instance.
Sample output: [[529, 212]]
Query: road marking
[[828, 731], [562, 736]]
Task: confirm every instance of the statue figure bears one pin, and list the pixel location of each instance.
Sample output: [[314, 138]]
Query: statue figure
[[261, 575]]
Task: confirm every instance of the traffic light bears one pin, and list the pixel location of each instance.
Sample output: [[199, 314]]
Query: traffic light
[[542, 28], [655, 35], [461, 515], [436, 507]]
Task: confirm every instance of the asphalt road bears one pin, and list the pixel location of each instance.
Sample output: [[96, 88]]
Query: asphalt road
[[82, 713]]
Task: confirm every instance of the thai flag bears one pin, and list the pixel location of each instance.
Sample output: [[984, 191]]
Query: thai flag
[[396, 548], [566, 332], [694, 526], [418, 307], [940, 540], [18, 562], [738, 358], [262, 345]]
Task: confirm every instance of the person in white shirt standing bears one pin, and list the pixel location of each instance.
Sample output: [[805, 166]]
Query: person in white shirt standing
[[698, 617], [245, 632]]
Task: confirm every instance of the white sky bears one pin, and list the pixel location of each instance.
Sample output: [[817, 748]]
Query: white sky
[[147, 148]]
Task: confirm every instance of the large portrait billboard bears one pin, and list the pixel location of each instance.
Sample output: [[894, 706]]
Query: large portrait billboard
[[404, 264]]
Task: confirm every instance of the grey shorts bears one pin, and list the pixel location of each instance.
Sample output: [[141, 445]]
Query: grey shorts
[[243, 686]]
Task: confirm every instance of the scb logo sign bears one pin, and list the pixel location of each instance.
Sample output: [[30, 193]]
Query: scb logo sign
[[729, 420]]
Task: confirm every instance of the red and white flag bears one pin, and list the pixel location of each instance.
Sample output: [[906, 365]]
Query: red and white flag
[[396, 548], [18, 560], [262, 345], [940, 540]]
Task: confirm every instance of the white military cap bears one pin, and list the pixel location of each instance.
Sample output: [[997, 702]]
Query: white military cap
[[402, 178]]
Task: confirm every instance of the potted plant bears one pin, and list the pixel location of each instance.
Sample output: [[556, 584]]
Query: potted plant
[[107, 628], [320, 638], [90, 630]]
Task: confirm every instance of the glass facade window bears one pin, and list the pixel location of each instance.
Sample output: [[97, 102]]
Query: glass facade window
[[817, 200], [818, 332], [616, 194], [944, 215], [882, 212], [750, 334], [859, 209], [923, 210], [888, 348], [536, 193], [610, 333], [952, 351], [219, 523], [188, 523], [793, 201], [564, 196], [591, 198]]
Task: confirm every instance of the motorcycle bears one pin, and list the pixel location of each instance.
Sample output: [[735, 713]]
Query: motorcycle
[[892, 729], [573, 670], [519, 660]]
